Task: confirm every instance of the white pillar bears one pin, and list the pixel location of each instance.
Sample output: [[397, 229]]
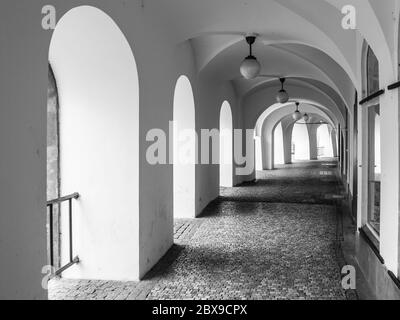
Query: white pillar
[[389, 238], [312, 134], [332, 133], [287, 130]]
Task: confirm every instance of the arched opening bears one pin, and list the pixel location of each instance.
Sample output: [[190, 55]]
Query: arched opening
[[266, 149], [98, 145], [184, 146], [300, 143], [226, 146], [278, 145], [324, 142]]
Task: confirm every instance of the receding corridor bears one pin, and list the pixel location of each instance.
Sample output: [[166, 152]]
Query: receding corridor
[[276, 238], [200, 149]]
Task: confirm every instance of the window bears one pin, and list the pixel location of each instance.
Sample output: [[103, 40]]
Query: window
[[372, 72], [374, 168], [372, 149]]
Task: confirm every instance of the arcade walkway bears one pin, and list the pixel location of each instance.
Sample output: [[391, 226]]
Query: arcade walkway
[[276, 238]]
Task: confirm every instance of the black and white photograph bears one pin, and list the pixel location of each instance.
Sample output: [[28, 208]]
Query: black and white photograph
[[199, 157]]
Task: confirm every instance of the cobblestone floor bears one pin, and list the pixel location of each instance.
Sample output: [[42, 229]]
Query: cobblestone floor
[[303, 182], [184, 229], [272, 239]]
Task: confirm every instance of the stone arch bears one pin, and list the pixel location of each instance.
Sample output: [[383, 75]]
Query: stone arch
[[98, 87], [269, 124], [257, 102]]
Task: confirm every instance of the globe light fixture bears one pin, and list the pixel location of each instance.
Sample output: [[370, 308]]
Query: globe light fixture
[[250, 67], [306, 117], [282, 96], [297, 115]]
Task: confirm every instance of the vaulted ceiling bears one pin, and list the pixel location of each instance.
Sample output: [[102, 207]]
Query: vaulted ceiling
[[303, 41]]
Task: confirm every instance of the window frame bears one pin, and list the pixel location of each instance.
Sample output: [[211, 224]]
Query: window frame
[[366, 174], [367, 91]]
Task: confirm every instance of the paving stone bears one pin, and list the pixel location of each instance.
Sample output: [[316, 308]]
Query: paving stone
[[276, 238]]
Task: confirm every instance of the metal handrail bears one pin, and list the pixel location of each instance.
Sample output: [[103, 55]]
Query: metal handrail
[[63, 199], [50, 204], [372, 96], [394, 85]]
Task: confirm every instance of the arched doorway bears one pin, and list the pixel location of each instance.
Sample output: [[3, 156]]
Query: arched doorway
[[98, 144], [184, 145], [324, 142], [226, 146], [300, 142]]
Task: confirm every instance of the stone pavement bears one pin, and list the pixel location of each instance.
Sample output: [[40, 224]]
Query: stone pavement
[[303, 182], [276, 238]]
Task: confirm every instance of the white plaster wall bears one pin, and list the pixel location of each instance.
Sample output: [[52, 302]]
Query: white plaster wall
[[278, 144], [226, 146], [185, 143], [258, 153], [389, 180]]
